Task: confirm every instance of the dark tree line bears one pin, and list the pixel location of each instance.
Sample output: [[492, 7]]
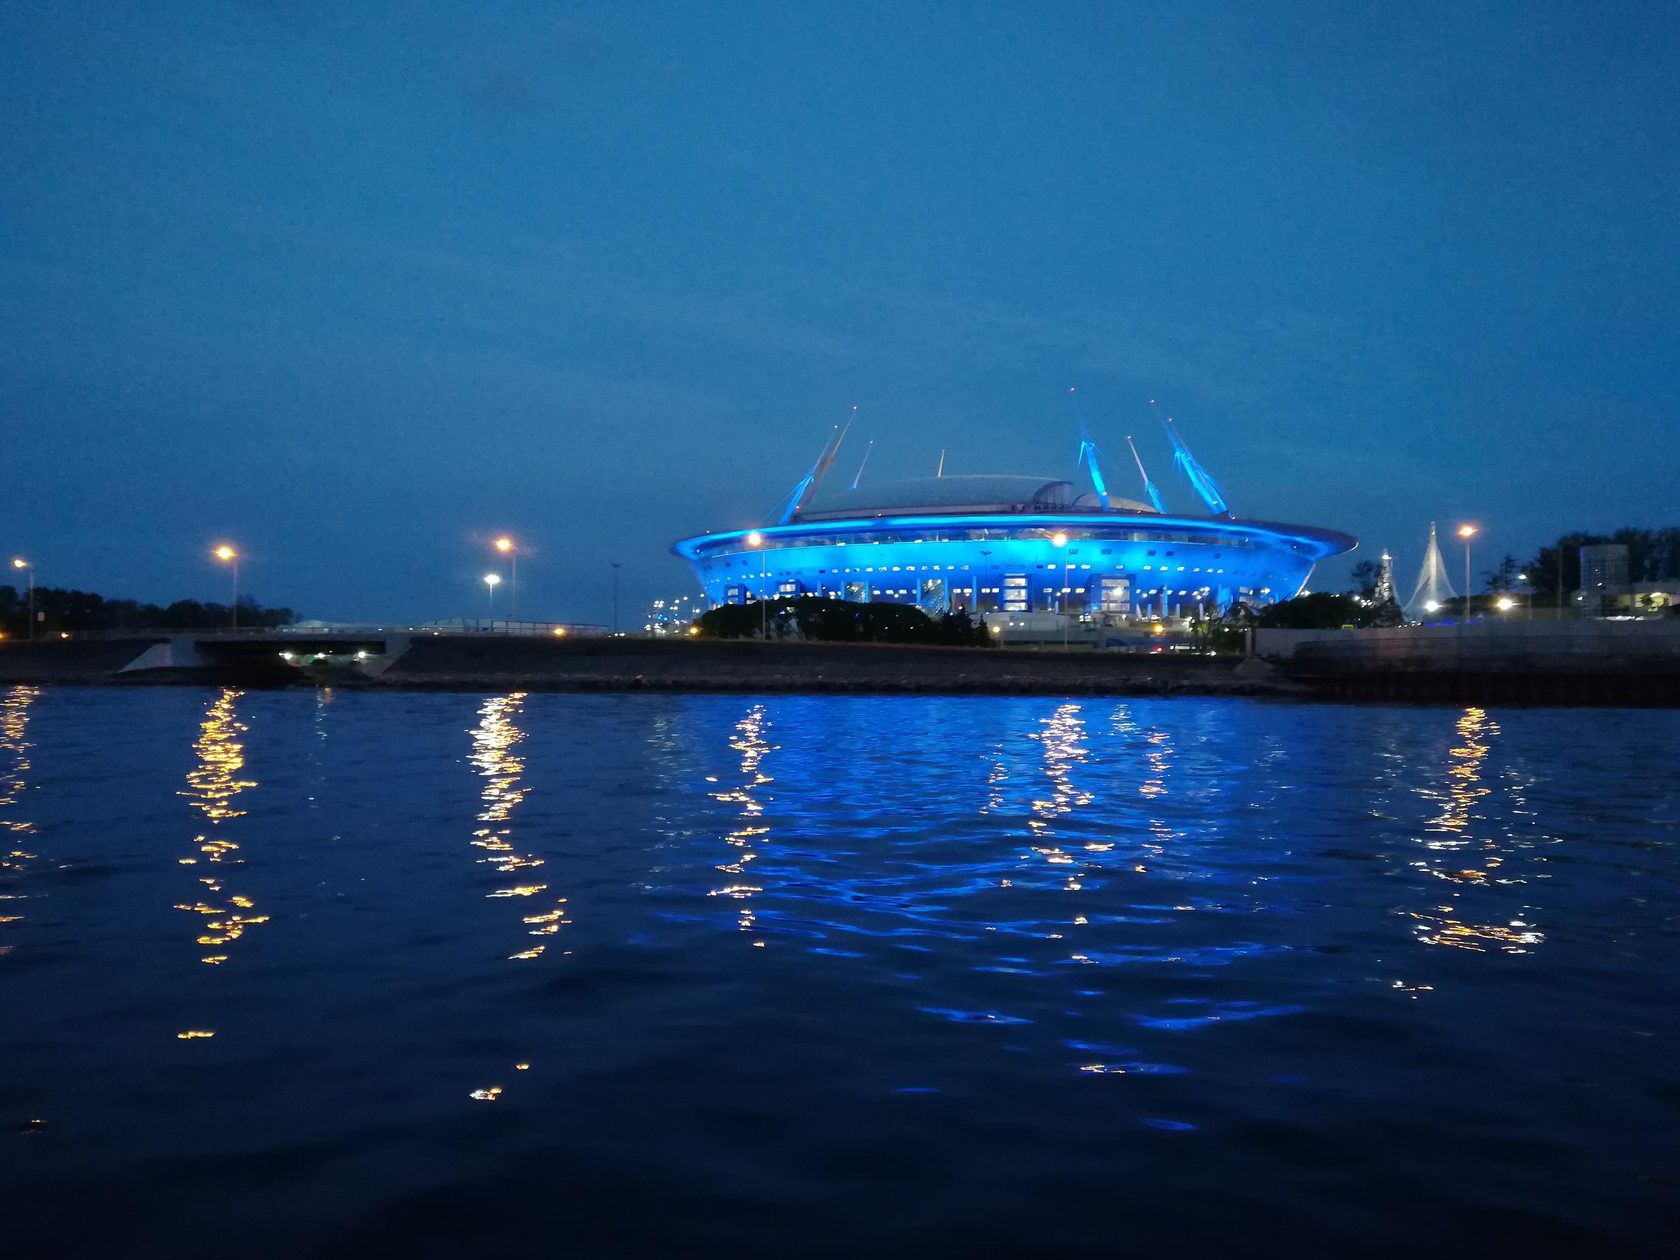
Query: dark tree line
[[78, 612], [1653, 556], [1324, 610]]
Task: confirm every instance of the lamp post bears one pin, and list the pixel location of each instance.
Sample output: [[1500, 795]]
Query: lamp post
[[756, 541], [228, 556], [1528, 597], [615, 564], [1059, 539], [1466, 532], [491, 582], [505, 545], [18, 562]]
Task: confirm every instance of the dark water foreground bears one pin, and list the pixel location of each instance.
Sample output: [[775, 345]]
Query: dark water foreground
[[366, 974]]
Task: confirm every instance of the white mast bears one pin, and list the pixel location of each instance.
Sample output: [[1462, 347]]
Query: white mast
[[1433, 590]]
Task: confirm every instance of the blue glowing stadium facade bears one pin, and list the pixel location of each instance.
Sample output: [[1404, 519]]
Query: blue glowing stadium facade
[[1010, 544]]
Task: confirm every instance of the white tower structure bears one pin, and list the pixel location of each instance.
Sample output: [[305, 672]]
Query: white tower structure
[[1433, 590], [1384, 594]]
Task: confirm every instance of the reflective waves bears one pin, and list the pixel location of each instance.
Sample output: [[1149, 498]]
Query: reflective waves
[[830, 976], [213, 786], [16, 851]]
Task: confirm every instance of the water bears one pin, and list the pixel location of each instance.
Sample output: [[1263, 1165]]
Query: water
[[295, 973]]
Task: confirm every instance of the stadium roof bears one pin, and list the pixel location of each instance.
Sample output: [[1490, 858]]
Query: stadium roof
[[956, 494]]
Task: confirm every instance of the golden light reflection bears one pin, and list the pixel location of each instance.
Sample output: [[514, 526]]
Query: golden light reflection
[[1470, 862], [14, 755], [213, 785], [495, 755], [15, 853], [497, 759], [753, 746], [1062, 740]]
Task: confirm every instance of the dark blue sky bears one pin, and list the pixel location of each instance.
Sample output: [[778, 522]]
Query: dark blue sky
[[355, 286]]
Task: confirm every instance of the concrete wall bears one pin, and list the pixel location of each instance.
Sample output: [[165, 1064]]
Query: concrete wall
[[1495, 639]]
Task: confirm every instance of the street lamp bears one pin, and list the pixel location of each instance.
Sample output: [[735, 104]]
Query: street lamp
[[491, 582], [1467, 532], [505, 545], [756, 540], [1528, 597], [227, 555], [18, 562], [1059, 539], [615, 564]]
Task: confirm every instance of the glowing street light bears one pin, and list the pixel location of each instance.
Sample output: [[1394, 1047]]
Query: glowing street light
[[491, 582], [18, 562], [1505, 603], [227, 555], [1059, 539], [506, 546], [756, 540], [1467, 532]]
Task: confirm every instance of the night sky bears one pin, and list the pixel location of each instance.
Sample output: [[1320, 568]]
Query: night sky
[[357, 286]]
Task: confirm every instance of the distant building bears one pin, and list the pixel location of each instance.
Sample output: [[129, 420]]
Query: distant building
[[1604, 578]]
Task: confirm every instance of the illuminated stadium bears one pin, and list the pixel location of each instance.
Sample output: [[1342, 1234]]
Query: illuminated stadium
[[1010, 544]]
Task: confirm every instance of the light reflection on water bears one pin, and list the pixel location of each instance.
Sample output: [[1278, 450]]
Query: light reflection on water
[[16, 849], [213, 786], [495, 755], [750, 832], [1464, 849], [542, 913], [829, 948]]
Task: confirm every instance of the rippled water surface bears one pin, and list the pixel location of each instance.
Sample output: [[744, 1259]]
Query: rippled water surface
[[285, 973]]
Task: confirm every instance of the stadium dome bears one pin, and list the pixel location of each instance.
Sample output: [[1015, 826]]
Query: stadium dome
[[1012, 544]]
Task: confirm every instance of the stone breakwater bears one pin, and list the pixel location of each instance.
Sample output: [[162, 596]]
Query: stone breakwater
[[502, 663]]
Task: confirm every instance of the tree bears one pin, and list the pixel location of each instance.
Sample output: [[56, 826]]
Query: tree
[[1319, 611], [1503, 577], [76, 612], [839, 621], [1365, 576]]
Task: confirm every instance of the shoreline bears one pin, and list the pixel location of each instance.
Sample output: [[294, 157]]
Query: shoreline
[[461, 663], [425, 662]]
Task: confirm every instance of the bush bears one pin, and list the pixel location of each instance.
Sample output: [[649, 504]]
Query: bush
[[837, 621], [1322, 611]]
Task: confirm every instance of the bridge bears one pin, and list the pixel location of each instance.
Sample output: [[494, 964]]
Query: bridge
[[262, 656]]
